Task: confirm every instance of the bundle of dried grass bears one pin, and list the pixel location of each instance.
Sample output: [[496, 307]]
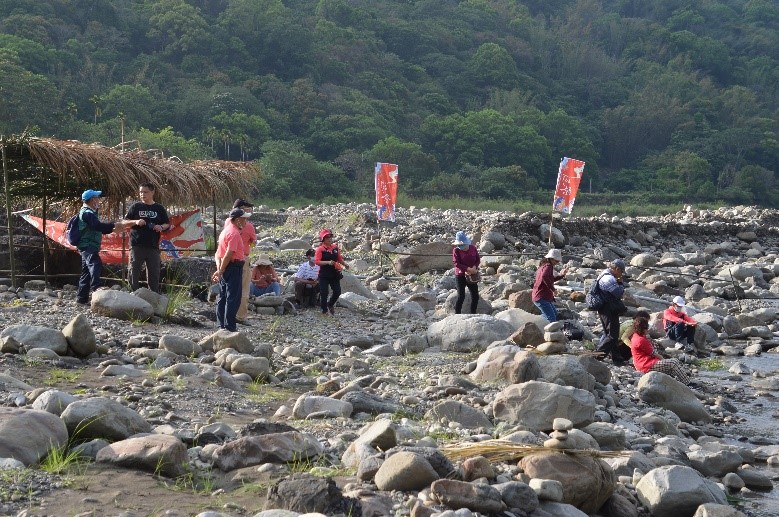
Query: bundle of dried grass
[[502, 450]]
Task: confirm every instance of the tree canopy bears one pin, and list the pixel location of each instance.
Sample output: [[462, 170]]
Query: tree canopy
[[471, 97]]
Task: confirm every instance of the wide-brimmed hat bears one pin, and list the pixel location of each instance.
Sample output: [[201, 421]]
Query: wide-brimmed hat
[[554, 254], [678, 300], [460, 239], [89, 194], [263, 260], [324, 233]]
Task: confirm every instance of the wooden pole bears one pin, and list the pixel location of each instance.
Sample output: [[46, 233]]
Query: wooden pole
[[215, 236], [8, 214], [45, 240], [381, 252], [551, 226], [125, 275]]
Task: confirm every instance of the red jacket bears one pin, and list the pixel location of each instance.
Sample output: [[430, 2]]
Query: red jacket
[[543, 287], [464, 259], [670, 316], [643, 353]]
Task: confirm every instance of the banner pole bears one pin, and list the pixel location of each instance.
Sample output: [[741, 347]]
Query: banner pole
[[551, 226], [381, 253]]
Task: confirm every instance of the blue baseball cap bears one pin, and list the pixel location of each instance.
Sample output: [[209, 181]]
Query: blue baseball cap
[[89, 194]]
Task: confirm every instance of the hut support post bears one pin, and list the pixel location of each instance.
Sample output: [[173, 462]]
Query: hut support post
[[45, 240], [215, 236], [8, 215], [125, 265]]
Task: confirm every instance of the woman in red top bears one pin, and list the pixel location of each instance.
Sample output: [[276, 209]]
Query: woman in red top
[[646, 360], [466, 260], [330, 262], [543, 287]]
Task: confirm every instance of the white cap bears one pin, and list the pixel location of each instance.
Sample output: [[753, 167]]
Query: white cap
[[555, 254], [678, 300]]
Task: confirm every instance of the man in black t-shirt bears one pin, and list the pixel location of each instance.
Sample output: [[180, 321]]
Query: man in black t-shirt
[[145, 238]]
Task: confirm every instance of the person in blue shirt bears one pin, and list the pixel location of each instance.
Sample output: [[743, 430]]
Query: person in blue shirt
[[92, 230], [611, 284]]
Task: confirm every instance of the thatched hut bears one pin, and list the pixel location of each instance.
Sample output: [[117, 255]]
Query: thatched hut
[[39, 172]]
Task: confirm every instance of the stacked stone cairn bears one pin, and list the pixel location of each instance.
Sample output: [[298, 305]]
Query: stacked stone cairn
[[559, 435], [555, 341]]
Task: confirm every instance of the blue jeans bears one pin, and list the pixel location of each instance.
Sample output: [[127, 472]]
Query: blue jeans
[[273, 287], [548, 310], [229, 296], [681, 332], [91, 268]]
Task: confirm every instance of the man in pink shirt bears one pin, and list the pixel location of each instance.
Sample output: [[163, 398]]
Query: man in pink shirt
[[248, 237], [679, 326], [230, 259]]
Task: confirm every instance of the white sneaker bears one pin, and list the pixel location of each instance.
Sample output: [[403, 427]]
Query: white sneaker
[[679, 346]]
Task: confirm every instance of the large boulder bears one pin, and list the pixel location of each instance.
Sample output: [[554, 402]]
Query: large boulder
[[405, 471], [506, 363], [467, 332], [156, 453], [36, 336], [456, 411], [158, 301], [80, 336], [425, 257], [121, 305], [223, 339], [268, 448], [27, 435], [665, 391], [587, 482], [534, 405], [53, 401], [351, 284], [101, 417], [517, 318], [677, 490], [566, 369], [482, 307]]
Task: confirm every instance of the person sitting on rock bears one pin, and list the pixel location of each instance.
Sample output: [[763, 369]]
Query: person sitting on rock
[[646, 360], [306, 283], [264, 278], [679, 326], [626, 332]]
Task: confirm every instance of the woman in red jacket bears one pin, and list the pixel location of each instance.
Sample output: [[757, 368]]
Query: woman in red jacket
[[466, 261], [646, 360], [543, 287]]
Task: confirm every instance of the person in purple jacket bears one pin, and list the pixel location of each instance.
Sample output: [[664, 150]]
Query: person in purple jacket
[[543, 287], [466, 261]]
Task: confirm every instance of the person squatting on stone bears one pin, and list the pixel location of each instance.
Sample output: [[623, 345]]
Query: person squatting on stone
[[466, 261], [306, 282], [610, 283], [679, 326], [145, 237], [330, 262], [645, 359], [91, 237], [248, 237], [230, 260], [264, 277], [543, 287]]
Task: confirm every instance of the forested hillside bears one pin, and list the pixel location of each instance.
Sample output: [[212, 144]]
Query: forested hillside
[[475, 98]]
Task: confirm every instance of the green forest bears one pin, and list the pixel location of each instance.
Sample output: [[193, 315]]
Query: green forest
[[673, 99]]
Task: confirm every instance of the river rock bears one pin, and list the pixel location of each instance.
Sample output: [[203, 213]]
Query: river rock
[[180, 345], [456, 411], [566, 370], [268, 448], [222, 339], [121, 305], [155, 453], [459, 494], [405, 471], [507, 363], [665, 391], [712, 460], [323, 407], [101, 417], [53, 401], [424, 258], [534, 405], [308, 494], [36, 336], [27, 435], [467, 332], [80, 336], [677, 490]]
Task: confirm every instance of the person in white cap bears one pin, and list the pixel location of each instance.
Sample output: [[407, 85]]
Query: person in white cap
[[543, 287], [679, 326], [264, 277]]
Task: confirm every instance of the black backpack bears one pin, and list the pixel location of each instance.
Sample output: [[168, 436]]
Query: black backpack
[[73, 230]]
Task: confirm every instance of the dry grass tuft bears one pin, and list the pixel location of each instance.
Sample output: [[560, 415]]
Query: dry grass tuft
[[502, 450]]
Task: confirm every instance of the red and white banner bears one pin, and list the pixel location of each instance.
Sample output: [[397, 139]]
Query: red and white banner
[[185, 239], [386, 178], [568, 178]]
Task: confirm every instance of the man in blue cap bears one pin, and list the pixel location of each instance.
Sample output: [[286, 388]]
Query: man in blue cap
[[92, 231], [611, 285]]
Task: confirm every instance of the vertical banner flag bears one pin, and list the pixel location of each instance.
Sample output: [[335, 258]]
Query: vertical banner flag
[[184, 240], [568, 178], [386, 190]]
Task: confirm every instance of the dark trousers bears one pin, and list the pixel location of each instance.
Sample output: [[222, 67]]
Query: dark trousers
[[472, 288], [609, 341], [91, 269], [681, 332], [230, 290], [324, 285], [151, 258], [305, 294]]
